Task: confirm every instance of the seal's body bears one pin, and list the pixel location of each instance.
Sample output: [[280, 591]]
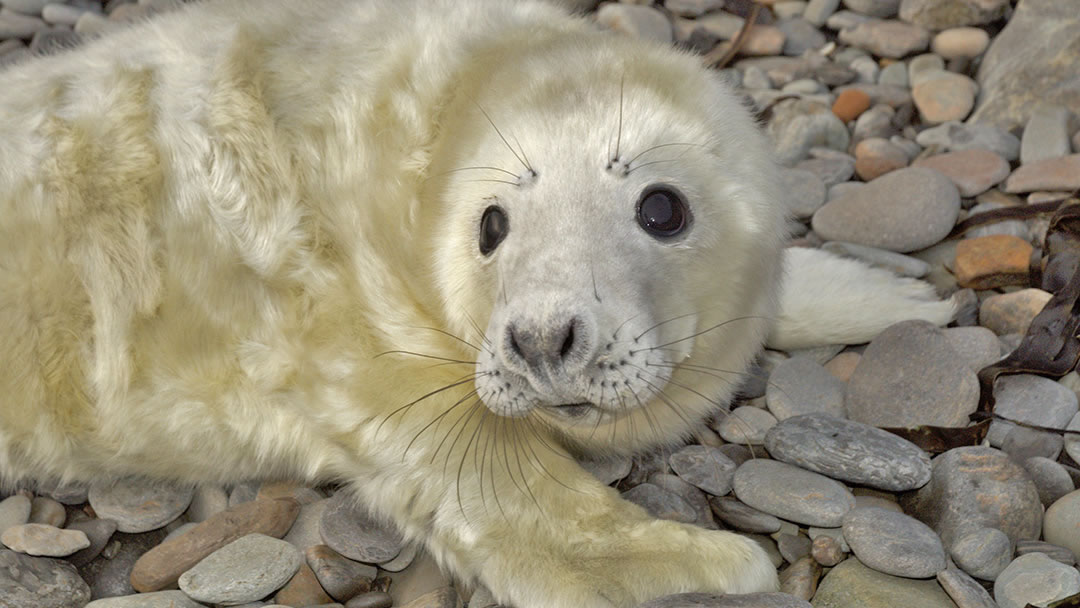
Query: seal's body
[[264, 238]]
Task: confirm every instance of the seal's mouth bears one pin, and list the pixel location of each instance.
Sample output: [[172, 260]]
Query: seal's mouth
[[572, 410]]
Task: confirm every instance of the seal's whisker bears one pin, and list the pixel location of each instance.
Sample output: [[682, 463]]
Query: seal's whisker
[[596, 293], [463, 380], [618, 137], [528, 163], [499, 133], [414, 354], [658, 146], [538, 434], [708, 329], [437, 420], [497, 181], [448, 334], [517, 458], [465, 454], [463, 420], [477, 168], [668, 401], [718, 404]]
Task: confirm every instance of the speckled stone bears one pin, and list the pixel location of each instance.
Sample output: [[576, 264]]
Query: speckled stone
[[38, 582], [893, 543], [1031, 399], [661, 503], [849, 451], [137, 505], [792, 493], [964, 590], [973, 171], [1012, 313], [742, 517], [348, 529], [1035, 579], [705, 467], [853, 585], [801, 386], [244, 570], [982, 552]]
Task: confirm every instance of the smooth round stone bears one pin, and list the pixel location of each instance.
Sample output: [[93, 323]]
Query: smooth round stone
[[853, 585], [866, 68], [745, 425], [661, 503], [960, 42], [742, 517], [1061, 525], [38, 582], [849, 451], [47, 511], [791, 493], [850, 104], [893, 543], [244, 570], [903, 265], [798, 125], [927, 63], [158, 599], [342, 578], [41, 539], [802, 386], [304, 532], [910, 375], [904, 210], [1072, 440], [1059, 174], [801, 578], [639, 21], [609, 470], [974, 487], [943, 96], [954, 135], [1054, 552], [1046, 134], [817, 11], [799, 36], [14, 511], [708, 600], [977, 346], [1023, 443], [827, 551], [1012, 313], [982, 553], [793, 547], [841, 366], [973, 171], [875, 122], [403, 559], [705, 467], [964, 590], [876, 156], [887, 38], [137, 505], [207, 501], [99, 532], [348, 529], [831, 171], [807, 191], [1035, 579], [1051, 479], [1031, 399], [894, 74]]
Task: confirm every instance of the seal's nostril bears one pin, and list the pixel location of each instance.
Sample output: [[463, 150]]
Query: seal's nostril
[[568, 343]]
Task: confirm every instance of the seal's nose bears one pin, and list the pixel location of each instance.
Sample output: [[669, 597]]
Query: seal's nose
[[546, 348]]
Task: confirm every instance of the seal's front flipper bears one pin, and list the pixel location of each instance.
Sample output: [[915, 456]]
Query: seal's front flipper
[[827, 299]]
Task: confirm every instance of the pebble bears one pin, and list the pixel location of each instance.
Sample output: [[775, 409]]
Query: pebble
[[27, 7], [972, 487], [866, 69], [1022, 443], [158, 599], [137, 505], [905, 210], [893, 543], [1031, 399], [964, 590], [1035, 579], [609, 470], [977, 346], [987, 262], [1072, 440], [954, 135], [894, 74], [62, 14], [742, 517], [831, 171], [960, 42], [973, 171], [818, 11], [47, 511], [1051, 479], [244, 570], [876, 156], [661, 503], [36, 582], [1061, 525], [900, 264], [705, 467], [304, 532], [791, 493], [15, 25], [207, 501], [887, 38], [1062, 173], [693, 8], [1012, 313], [348, 529], [853, 585], [880, 392], [827, 551], [745, 425], [98, 532], [942, 96], [341, 577], [1054, 552], [793, 547], [708, 600], [162, 566], [982, 552], [923, 65], [66, 494], [806, 189], [845, 19], [41, 539], [303, 589], [640, 21], [111, 575], [14, 511], [943, 14], [841, 366], [798, 125], [800, 385], [799, 36], [800, 579], [874, 8], [849, 451], [374, 599]]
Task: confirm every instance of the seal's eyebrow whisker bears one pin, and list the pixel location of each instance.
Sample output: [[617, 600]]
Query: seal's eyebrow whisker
[[708, 329], [497, 181], [667, 145], [520, 157], [489, 168], [446, 333]]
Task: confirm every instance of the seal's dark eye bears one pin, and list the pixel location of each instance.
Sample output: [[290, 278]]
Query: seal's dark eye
[[662, 211], [493, 228]]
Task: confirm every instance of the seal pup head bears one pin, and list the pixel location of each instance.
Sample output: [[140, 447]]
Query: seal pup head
[[610, 210]]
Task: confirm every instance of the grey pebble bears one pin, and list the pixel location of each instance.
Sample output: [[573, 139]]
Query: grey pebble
[[66, 494], [42, 539], [1035, 579], [14, 511], [887, 38], [818, 354], [982, 552], [403, 559], [708, 600], [800, 36], [157, 599], [691, 494], [745, 425], [348, 528], [39, 582], [1046, 134], [742, 517], [893, 543], [1023, 443], [851, 584], [806, 191], [798, 125], [802, 386], [964, 590], [247, 569], [924, 65], [341, 577], [866, 70], [874, 8], [98, 531], [878, 121], [49, 42], [894, 74], [977, 346], [15, 25], [882, 391], [1054, 552], [843, 189], [207, 500], [137, 505], [845, 19], [44, 510], [705, 467], [59, 13], [304, 532], [661, 503], [830, 171], [791, 493], [849, 451], [641, 21], [609, 470], [756, 78], [903, 265], [111, 575], [818, 11], [26, 7], [1071, 441], [954, 135], [1031, 399], [373, 599], [792, 547]]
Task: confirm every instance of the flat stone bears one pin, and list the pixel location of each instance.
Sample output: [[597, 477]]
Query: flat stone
[[792, 547], [853, 585], [881, 391], [303, 589], [14, 511], [1061, 525], [162, 566], [898, 263], [952, 136], [964, 590], [792, 493], [1072, 440], [639, 21], [874, 8], [876, 156], [44, 510], [110, 576], [244, 570], [943, 14], [1051, 479], [1012, 313], [1062, 173], [341, 577], [1054, 552], [705, 467], [807, 191], [98, 532], [15, 25], [661, 503], [348, 529], [905, 210], [849, 451], [608, 471], [798, 125], [1035, 579], [987, 262], [893, 543], [830, 171], [41, 539], [207, 501], [802, 386], [1031, 399], [742, 517], [374, 599], [895, 74], [304, 532], [943, 96], [65, 494], [973, 171], [982, 552], [887, 38], [974, 487], [693, 8], [745, 425], [158, 599], [708, 600], [977, 346], [960, 42], [138, 505], [1046, 134], [696, 498], [1023, 443], [38, 582]]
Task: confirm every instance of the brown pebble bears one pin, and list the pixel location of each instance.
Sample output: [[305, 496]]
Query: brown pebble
[[1061, 173], [302, 590], [850, 104], [47, 511], [341, 577], [1012, 313], [161, 567], [973, 171], [843, 364], [827, 551], [374, 599], [801, 578], [992, 261], [876, 156]]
